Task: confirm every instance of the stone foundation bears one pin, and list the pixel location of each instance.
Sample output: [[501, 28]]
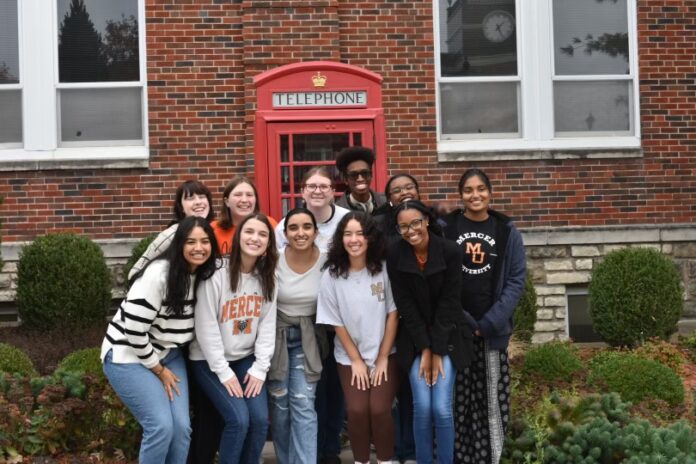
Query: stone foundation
[[556, 258]]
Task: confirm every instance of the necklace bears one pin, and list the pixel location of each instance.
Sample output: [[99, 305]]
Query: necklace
[[422, 259]]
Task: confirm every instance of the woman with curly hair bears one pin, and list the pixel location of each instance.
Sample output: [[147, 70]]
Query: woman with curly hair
[[355, 298]]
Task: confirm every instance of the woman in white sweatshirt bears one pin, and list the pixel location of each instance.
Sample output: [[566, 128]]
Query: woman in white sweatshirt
[[235, 338]]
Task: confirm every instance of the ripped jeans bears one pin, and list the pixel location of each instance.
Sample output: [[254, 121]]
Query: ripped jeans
[[293, 417]]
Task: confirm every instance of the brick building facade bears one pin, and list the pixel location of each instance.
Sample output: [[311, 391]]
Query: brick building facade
[[199, 58]]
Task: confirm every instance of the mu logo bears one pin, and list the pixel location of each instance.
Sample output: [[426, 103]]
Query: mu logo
[[475, 251]]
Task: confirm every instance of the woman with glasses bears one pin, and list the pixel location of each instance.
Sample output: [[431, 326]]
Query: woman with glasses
[[434, 340], [493, 273], [318, 194], [400, 187]]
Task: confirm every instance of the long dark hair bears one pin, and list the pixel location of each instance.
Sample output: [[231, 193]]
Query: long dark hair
[[179, 276], [265, 265], [426, 211], [187, 189], [338, 261], [225, 215]]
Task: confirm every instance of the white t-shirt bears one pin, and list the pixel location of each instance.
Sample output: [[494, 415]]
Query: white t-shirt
[[297, 293], [359, 303], [326, 230]]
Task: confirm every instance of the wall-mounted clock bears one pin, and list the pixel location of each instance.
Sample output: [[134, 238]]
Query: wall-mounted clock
[[498, 26]]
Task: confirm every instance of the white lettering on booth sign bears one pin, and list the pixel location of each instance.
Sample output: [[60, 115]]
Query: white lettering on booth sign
[[334, 98]]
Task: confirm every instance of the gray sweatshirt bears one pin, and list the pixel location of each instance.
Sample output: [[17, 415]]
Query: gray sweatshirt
[[231, 325]]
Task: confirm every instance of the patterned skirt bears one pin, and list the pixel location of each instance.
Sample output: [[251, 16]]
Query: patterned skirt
[[482, 406]]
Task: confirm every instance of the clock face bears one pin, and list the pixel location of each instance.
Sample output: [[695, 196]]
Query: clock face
[[498, 25]]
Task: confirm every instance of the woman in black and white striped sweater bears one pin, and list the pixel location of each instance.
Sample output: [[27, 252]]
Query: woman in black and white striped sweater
[[142, 348]]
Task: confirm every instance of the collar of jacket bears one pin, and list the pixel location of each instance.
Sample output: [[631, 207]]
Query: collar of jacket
[[436, 260]]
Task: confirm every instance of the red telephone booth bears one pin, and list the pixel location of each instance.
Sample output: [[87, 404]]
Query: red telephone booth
[[306, 114]]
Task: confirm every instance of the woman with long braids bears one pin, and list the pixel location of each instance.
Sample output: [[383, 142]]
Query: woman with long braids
[[493, 273], [235, 338], [142, 350]]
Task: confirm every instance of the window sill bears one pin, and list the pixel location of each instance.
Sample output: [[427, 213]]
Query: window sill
[[516, 149], [126, 157]]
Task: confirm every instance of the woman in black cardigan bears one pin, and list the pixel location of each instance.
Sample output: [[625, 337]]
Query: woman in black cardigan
[[434, 338]]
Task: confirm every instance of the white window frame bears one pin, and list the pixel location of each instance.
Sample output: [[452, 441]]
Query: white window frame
[[534, 34], [38, 64]]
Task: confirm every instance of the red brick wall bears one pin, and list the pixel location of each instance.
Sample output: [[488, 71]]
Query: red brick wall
[[202, 55]]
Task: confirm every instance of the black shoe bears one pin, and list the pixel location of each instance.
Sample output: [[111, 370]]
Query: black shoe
[[330, 460]]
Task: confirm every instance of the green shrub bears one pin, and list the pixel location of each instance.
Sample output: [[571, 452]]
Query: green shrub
[[86, 361], [525, 314], [663, 352], [137, 252], [636, 379], [62, 281], [15, 361], [553, 360], [635, 294]]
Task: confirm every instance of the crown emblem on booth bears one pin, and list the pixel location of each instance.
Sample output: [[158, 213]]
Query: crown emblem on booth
[[319, 80]]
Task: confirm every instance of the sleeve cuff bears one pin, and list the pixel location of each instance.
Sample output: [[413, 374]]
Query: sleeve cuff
[[225, 375], [486, 328], [256, 372]]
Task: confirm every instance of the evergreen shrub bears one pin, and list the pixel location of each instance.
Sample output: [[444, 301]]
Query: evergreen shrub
[[62, 281], [636, 378], [136, 253], [635, 294], [86, 361], [15, 361], [525, 314], [553, 360], [663, 352]]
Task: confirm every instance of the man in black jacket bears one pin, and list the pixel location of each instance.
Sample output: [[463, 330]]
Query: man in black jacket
[[355, 165]]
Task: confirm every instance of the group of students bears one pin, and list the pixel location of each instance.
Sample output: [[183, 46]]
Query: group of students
[[330, 307]]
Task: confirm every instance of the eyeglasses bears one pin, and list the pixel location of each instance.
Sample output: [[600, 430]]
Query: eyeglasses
[[416, 224], [397, 190], [353, 175], [314, 187]]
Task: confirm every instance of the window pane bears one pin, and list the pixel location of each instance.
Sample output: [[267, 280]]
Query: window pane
[[9, 51], [100, 114], [592, 106], [478, 38], [98, 40], [480, 108], [11, 116], [318, 147], [580, 328], [590, 37]]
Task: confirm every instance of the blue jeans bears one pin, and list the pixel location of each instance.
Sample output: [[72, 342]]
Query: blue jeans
[[246, 419], [166, 425], [330, 406], [433, 406], [292, 408]]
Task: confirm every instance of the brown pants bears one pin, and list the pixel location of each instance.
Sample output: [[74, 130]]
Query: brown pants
[[369, 414]]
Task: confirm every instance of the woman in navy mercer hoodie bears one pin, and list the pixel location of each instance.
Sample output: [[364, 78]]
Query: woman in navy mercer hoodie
[[493, 275]]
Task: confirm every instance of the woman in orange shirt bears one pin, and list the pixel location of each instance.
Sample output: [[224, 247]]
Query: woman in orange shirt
[[239, 200]]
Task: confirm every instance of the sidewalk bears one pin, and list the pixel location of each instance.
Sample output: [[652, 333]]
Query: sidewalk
[[269, 455]]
